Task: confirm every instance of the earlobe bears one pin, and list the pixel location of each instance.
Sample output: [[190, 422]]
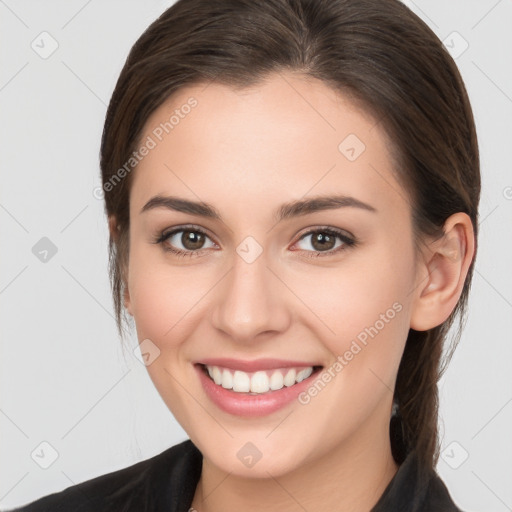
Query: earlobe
[[443, 272], [127, 302], [113, 228]]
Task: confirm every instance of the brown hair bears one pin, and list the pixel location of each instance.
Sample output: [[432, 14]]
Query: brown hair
[[378, 52]]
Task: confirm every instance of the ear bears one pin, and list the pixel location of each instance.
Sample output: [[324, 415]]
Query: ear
[[114, 233], [113, 228], [126, 299], [442, 273]]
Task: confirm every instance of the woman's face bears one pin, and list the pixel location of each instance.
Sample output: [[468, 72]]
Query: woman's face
[[267, 281]]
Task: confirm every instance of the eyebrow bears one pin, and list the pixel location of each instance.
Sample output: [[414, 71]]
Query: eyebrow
[[285, 211]]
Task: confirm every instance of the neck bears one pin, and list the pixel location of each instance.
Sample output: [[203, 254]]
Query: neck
[[351, 477]]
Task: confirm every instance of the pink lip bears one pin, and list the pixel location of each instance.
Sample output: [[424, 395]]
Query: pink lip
[[242, 404], [255, 365]]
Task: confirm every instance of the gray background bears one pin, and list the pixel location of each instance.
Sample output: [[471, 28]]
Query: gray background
[[65, 381]]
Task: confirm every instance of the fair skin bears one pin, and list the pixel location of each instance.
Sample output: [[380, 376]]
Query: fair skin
[[246, 153]]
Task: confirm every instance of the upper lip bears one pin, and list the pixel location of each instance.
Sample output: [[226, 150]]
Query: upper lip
[[254, 365]]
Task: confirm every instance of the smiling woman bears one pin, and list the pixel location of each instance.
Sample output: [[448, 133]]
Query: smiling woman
[[294, 240]]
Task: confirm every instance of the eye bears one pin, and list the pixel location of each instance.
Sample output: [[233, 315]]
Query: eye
[[184, 241], [326, 241], [190, 241]]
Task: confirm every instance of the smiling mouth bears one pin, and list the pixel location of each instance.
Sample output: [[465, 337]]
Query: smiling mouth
[[260, 382]]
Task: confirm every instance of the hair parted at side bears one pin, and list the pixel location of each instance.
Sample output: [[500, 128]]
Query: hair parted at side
[[376, 51]]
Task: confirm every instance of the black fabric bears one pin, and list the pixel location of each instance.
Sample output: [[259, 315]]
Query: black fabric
[[167, 483]]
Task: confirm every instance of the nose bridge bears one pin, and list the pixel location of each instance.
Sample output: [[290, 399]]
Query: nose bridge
[[250, 300]]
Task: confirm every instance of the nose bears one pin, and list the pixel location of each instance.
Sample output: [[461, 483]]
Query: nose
[[251, 301]]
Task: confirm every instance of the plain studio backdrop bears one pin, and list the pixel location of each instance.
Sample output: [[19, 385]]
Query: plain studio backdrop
[[72, 406]]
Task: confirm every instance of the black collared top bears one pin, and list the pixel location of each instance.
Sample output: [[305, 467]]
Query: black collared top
[[167, 483]]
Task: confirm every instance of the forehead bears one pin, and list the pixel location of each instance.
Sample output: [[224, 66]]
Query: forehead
[[287, 135]]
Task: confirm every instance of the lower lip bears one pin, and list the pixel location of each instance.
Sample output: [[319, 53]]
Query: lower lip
[[242, 404]]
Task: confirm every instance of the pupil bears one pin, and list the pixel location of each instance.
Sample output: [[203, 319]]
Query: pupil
[[324, 241], [192, 240]]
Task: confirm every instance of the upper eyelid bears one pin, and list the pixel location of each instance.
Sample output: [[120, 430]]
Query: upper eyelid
[[187, 227], [336, 231]]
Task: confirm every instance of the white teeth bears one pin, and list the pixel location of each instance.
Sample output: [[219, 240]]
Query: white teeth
[[216, 375], [304, 374], [276, 381], [227, 379], [241, 382], [289, 378], [258, 382]]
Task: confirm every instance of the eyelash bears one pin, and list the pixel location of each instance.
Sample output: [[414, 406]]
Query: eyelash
[[348, 242]]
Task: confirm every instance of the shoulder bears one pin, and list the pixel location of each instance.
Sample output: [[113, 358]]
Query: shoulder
[[438, 497], [416, 489], [132, 488]]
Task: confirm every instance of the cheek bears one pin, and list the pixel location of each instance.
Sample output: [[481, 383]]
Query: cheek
[[167, 303], [163, 303], [166, 299], [360, 309]]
